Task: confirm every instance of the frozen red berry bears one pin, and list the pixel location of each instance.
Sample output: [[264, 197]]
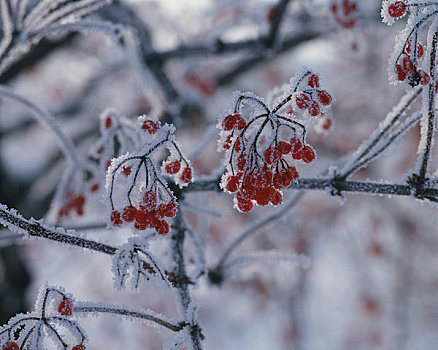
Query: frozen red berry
[[313, 81], [129, 212], [186, 175], [308, 154], [11, 345], [78, 347], [232, 184], [115, 218], [272, 155], [229, 122], [296, 145], [244, 205], [150, 200], [162, 227], [173, 167], [397, 9], [325, 98], [150, 126], [65, 307], [284, 147], [302, 101], [314, 109]]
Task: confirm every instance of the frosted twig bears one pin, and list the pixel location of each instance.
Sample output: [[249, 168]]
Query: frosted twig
[[123, 311], [391, 119], [251, 230], [45, 118], [427, 127]]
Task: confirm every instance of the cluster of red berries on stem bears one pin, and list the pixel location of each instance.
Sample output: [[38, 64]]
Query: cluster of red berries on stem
[[313, 99], [148, 214], [73, 202], [261, 150], [154, 200]]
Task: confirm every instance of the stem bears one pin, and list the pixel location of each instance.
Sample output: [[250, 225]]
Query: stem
[[427, 135], [183, 290], [135, 314]]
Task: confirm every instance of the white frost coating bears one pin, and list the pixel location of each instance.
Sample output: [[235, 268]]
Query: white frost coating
[[134, 262], [260, 260], [178, 342], [50, 321], [7, 27]]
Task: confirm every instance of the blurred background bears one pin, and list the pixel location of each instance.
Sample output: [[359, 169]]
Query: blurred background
[[360, 272]]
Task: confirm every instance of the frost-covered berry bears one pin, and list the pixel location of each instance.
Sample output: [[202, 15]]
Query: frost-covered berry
[[313, 81], [78, 347], [11, 345], [284, 147], [128, 214], [186, 175], [162, 227], [108, 122], [325, 98], [272, 155], [302, 101], [308, 154], [229, 122], [173, 167], [150, 126], [65, 307], [115, 218], [397, 9], [296, 145], [150, 200], [314, 109]]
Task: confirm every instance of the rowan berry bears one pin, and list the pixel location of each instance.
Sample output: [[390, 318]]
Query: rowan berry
[[325, 98], [171, 209], [314, 109], [272, 155], [115, 218], [129, 212], [108, 122], [11, 345], [162, 227], [78, 347], [150, 126], [232, 184], [65, 307], [277, 181], [401, 73], [397, 9], [302, 101], [173, 167], [229, 122], [313, 81], [240, 122], [284, 147], [276, 197], [186, 175], [241, 161], [244, 205], [150, 200], [296, 145], [308, 154]]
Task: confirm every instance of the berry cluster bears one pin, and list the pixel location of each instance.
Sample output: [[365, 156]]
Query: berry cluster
[[263, 147], [408, 71], [25, 330], [73, 202], [148, 214], [313, 99], [146, 201]]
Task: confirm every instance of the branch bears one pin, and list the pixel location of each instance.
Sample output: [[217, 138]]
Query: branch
[[130, 313]]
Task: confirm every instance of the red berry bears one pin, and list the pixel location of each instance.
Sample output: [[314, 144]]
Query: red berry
[[308, 154], [186, 175], [272, 155], [171, 209], [173, 167], [150, 200], [65, 307], [228, 142], [232, 184], [401, 74], [425, 78], [277, 181], [238, 146], [128, 214], [284, 147], [229, 122], [115, 218], [314, 109], [325, 98], [150, 126], [241, 161], [296, 145], [420, 50], [94, 187], [108, 122], [78, 347], [302, 101], [11, 345], [397, 9], [408, 65], [313, 81], [244, 205], [263, 196], [126, 170], [162, 227], [240, 122], [276, 197]]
